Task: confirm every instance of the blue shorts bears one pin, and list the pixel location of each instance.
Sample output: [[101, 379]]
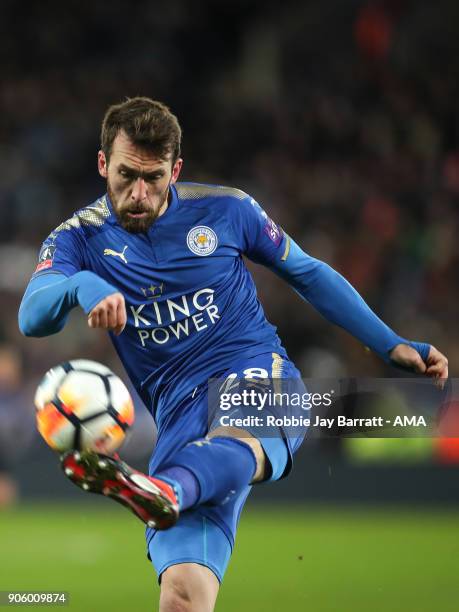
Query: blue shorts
[[194, 539], [205, 534]]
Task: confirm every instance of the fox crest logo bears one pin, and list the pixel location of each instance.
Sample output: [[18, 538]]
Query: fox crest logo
[[202, 240], [121, 255]]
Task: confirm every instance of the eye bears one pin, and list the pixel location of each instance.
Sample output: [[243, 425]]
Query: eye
[[125, 174], [152, 178]]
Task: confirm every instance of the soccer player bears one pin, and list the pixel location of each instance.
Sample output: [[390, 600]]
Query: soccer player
[[159, 265]]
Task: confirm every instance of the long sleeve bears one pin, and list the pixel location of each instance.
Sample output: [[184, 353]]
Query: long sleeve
[[335, 298], [49, 298], [315, 281]]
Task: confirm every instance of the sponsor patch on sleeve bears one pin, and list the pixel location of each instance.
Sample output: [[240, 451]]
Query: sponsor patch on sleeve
[[273, 231], [46, 257]]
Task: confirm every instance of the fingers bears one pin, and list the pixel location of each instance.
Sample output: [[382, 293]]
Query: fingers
[[439, 370], [439, 380], [418, 365], [437, 366], [109, 313], [121, 318], [112, 315], [408, 357]]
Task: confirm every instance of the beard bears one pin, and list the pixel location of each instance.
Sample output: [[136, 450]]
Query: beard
[[131, 224]]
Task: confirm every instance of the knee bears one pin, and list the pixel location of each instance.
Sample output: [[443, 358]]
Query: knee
[[188, 588], [175, 596]]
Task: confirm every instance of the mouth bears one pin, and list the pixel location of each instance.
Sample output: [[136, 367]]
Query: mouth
[[137, 215]]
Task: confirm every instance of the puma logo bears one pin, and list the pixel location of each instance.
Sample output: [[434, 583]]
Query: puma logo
[[115, 254]]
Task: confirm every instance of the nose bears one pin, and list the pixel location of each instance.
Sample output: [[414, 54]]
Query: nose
[[139, 191]]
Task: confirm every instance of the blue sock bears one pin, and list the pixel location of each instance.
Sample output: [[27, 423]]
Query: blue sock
[[209, 470], [184, 483]]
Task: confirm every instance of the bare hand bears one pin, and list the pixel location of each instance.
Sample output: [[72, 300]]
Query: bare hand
[[109, 313], [435, 367]]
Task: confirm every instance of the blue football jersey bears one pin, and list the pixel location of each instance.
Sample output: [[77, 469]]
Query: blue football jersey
[[192, 307]]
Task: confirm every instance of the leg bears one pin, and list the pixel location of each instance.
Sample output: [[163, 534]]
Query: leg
[[208, 469], [188, 587], [191, 559], [255, 444]]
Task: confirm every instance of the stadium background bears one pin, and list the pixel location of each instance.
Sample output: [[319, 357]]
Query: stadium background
[[341, 118]]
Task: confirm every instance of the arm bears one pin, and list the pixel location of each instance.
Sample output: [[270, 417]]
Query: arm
[[336, 299], [61, 282], [50, 297], [325, 289]]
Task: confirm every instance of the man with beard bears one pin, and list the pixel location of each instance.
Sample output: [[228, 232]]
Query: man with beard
[[159, 265]]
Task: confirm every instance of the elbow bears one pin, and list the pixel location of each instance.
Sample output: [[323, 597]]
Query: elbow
[[27, 326], [39, 313], [31, 325], [36, 329], [29, 332]]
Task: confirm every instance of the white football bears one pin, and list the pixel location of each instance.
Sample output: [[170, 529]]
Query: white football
[[83, 405]]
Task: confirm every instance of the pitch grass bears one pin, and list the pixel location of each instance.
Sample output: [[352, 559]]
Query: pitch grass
[[318, 560]]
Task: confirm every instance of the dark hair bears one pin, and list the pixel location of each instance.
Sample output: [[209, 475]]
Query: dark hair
[[148, 124]]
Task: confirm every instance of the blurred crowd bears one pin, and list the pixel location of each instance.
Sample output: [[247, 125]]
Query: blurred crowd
[[340, 118]]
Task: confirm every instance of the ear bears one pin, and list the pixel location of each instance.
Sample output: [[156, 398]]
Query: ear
[[176, 169], [102, 164]]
